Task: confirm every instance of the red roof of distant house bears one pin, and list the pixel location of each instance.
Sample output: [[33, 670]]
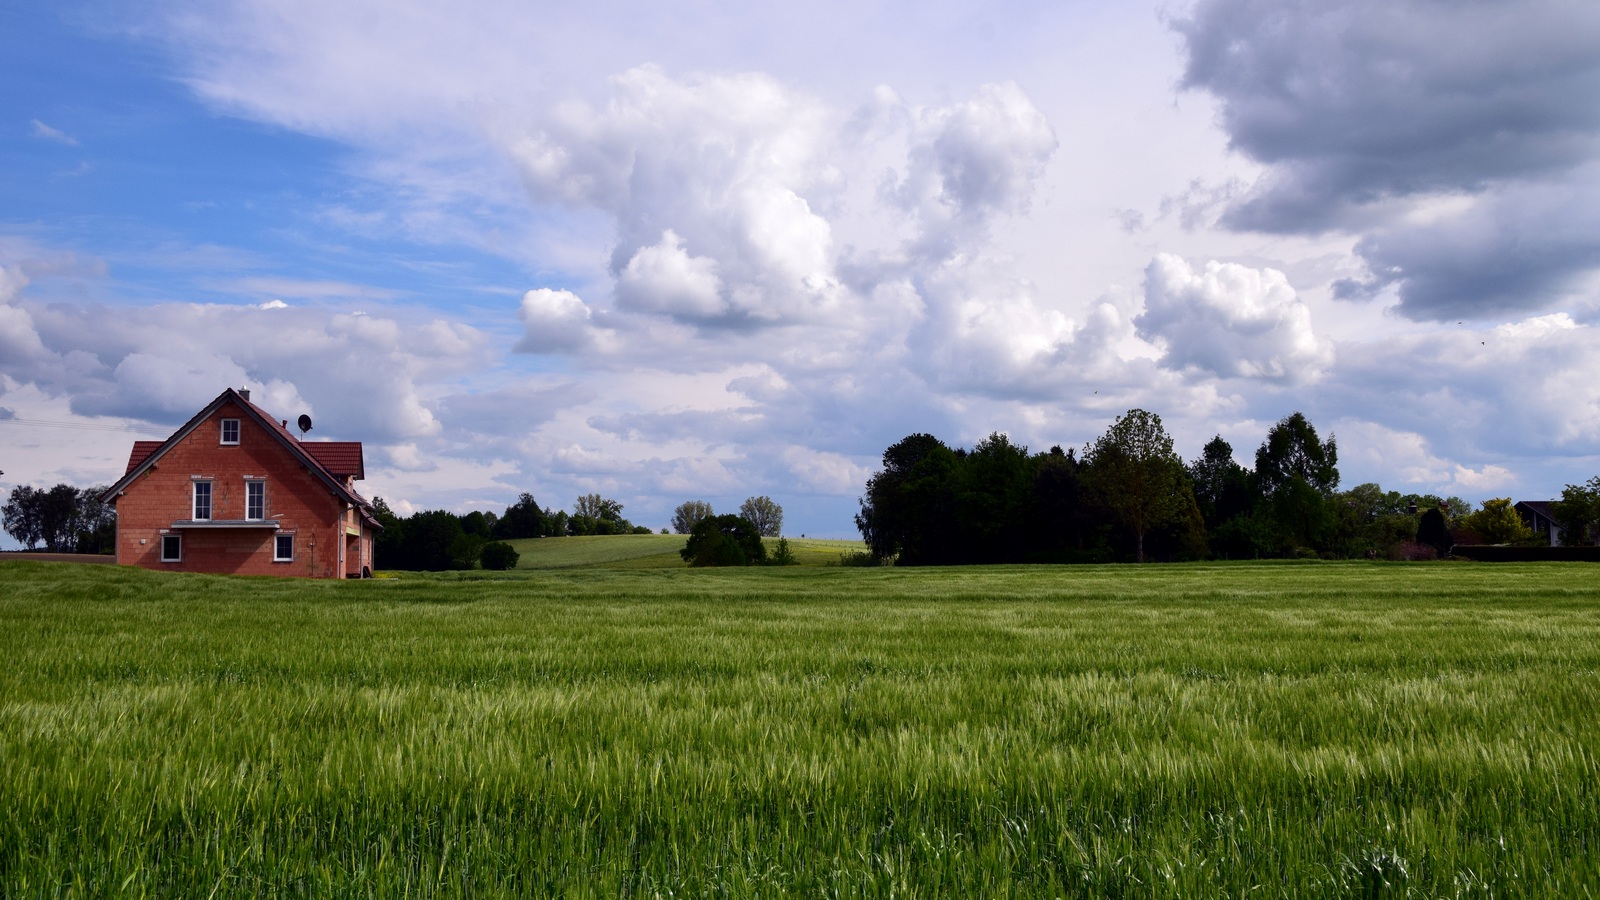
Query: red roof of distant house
[[341, 458], [141, 452]]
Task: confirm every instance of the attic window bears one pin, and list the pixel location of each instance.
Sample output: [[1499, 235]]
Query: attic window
[[230, 432]]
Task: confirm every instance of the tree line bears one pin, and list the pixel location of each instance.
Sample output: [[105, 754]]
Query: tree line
[[63, 519], [440, 540], [1129, 496]]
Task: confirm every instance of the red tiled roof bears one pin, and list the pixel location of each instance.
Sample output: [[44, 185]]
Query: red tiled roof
[[141, 452], [341, 458]]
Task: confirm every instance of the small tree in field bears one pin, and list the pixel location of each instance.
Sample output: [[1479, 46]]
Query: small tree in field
[[688, 515], [764, 514], [499, 556]]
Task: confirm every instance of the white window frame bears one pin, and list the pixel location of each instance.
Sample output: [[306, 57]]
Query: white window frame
[[176, 539], [258, 488], [194, 500], [277, 546], [224, 433]]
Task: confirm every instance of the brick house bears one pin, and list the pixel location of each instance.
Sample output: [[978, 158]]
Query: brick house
[[234, 492]]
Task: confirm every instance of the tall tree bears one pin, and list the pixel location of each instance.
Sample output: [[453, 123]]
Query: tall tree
[[97, 522], [22, 515], [594, 514], [994, 501], [688, 515], [1293, 451], [908, 510], [764, 514], [522, 519], [1298, 473], [1135, 469]]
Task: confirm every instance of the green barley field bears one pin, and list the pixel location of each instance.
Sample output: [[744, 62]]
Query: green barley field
[[594, 729]]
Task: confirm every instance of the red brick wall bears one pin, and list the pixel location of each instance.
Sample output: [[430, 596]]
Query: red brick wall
[[296, 499]]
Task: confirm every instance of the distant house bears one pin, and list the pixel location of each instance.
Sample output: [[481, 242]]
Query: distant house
[[1536, 515], [234, 492]]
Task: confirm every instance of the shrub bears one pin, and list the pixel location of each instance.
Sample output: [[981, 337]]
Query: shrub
[[724, 541], [782, 555], [499, 556]]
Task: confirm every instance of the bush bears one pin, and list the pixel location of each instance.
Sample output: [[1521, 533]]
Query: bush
[[499, 556], [724, 541]]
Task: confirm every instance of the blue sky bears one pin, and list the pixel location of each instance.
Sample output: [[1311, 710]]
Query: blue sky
[[720, 250]]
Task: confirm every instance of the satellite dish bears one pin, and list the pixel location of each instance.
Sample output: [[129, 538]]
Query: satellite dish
[[304, 423]]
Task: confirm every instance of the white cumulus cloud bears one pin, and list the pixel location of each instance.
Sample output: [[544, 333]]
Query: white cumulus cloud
[[1231, 321]]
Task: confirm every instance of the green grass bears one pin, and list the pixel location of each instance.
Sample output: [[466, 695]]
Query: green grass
[[1311, 730], [652, 551]]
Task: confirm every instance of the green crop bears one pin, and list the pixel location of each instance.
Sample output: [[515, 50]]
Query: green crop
[[1308, 730]]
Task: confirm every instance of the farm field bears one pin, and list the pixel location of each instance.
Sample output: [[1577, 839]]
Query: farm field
[[1289, 729], [653, 551]]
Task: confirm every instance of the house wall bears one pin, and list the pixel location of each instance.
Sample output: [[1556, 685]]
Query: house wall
[[295, 498]]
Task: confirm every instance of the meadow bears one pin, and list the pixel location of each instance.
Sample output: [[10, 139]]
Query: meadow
[[598, 730]]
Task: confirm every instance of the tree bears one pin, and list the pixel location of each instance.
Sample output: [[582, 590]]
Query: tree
[[724, 541], [1298, 472], [97, 522], [476, 523], [522, 519], [908, 511], [53, 517], [594, 514], [764, 514], [388, 545], [688, 514], [21, 516], [1496, 523], [1293, 451], [499, 556], [1223, 489], [433, 541], [1142, 480], [1578, 511]]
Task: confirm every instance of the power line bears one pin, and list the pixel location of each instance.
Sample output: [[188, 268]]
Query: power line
[[83, 426]]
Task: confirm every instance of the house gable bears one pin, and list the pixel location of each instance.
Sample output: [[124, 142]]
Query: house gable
[[232, 491]]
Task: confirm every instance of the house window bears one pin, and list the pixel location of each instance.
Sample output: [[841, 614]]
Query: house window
[[255, 499], [230, 431], [172, 548], [283, 548], [202, 500]]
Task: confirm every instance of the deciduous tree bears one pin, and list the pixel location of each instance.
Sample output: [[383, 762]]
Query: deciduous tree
[[1135, 469], [724, 541], [764, 514], [688, 514]]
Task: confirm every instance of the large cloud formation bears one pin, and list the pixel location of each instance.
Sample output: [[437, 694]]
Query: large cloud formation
[[1461, 140]]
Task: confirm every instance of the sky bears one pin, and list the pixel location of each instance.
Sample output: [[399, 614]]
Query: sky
[[713, 250]]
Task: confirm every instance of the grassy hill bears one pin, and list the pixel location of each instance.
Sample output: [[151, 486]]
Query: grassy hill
[[652, 551]]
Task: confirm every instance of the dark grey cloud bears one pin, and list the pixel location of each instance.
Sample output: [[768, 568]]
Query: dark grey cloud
[[1367, 111], [1524, 248]]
